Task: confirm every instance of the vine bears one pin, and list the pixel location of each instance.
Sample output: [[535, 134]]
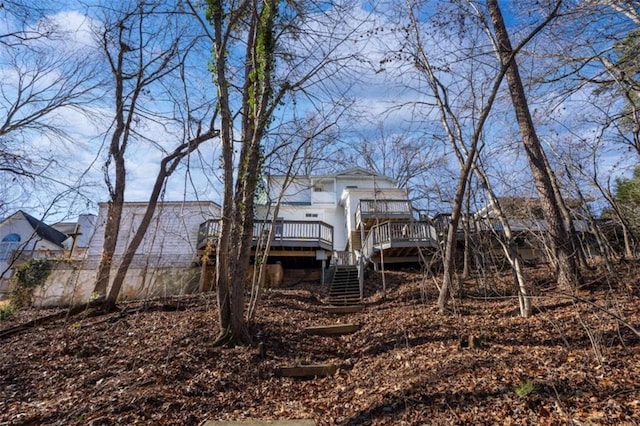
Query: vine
[[29, 275]]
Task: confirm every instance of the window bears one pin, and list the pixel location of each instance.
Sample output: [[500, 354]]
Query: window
[[351, 186], [311, 215], [8, 245]]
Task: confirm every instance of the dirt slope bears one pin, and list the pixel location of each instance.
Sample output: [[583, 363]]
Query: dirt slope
[[153, 363]]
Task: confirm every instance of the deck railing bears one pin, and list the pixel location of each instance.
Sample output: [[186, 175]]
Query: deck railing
[[344, 258], [406, 233], [208, 232], [296, 233], [383, 209]]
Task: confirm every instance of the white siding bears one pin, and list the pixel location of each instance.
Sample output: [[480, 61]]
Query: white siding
[[173, 230], [334, 198]]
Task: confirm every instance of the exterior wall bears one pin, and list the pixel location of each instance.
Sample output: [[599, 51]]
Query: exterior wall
[[172, 235], [162, 265], [351, 198], [71, 284], [333, 198]]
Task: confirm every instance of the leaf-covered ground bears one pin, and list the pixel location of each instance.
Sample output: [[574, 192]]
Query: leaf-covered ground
[[153, 363]]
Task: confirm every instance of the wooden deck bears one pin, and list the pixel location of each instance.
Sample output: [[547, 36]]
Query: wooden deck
[[400, 239], [371, 212], [286, 234]]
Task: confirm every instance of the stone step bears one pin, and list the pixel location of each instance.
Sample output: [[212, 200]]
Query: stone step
[[310, 370], [332, 330]]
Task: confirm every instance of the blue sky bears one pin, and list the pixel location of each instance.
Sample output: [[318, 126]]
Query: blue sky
[[382, 89]]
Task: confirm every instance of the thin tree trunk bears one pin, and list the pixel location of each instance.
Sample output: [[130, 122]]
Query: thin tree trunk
[[562, 247], [112, 227], [510, 247], [223, 253], [466, 225], [452, 232], [167, 167]]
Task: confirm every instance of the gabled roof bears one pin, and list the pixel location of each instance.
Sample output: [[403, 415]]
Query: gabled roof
[[359, 171], [45, 231], [353, 172], [524, 207]]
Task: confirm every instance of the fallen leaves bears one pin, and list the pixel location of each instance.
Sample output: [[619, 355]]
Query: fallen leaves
[[404, 365]]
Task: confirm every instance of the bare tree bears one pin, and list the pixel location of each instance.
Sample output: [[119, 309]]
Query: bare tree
[[466, 141], [264, 51], [294, 153], [551, 201], [146, 48], [42, 83], [399, 154]]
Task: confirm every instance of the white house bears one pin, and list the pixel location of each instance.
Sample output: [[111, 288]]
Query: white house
[[22, 236], [341, 217]]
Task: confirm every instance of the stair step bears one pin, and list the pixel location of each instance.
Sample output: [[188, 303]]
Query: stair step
[[332, 330], [345, 301], [345, 287], [311, 370]]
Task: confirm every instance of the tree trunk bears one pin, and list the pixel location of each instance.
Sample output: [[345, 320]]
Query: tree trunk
[[167, 167], [111, 229], [466, 224], [223, 253], [452, 231], [510, 247], [238, 206], [561, 244]]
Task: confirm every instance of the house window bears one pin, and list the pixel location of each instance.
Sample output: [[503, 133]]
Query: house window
[[311, 215], [8, 245], [317, 189], [352, 186]]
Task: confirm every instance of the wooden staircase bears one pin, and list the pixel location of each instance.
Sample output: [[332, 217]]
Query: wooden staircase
[[345, 287], [356, 240], [344, 296]]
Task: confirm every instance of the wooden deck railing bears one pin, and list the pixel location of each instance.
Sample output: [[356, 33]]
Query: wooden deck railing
[[405, 234], [383, 209], [285, 233], [208, 232], [344, 258], [296, 233]]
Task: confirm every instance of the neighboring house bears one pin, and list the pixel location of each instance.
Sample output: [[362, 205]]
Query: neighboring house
[[163, 265], [170, 239], [22, 236], [529, 228]]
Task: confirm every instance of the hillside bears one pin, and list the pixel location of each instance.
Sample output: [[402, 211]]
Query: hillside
[[153, 363]]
